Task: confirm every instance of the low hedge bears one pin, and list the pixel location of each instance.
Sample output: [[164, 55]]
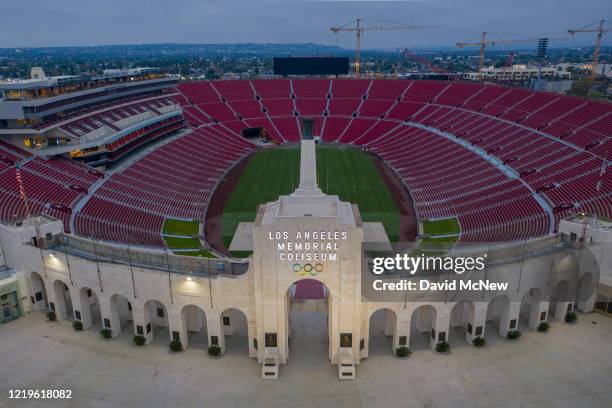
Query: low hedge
[[139, 340], [513, 334], [443, 347], [479, 341]]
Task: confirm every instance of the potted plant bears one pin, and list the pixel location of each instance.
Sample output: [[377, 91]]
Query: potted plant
[[106, 333], [513, 334], [176, 345], [543, 326], [479, 342], [402, 352], [51, 316], [214, 351], [77, 325], [139, 340], [571, 317], [443, 347]]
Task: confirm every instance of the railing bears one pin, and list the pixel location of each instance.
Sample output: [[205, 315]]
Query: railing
[[152, 258]]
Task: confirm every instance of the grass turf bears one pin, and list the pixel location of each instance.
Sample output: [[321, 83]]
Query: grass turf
[[346, 172], [187, 238], [448, 226], [179, 227]]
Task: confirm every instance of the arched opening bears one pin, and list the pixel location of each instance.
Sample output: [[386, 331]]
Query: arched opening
[[236, 331], [529, 315], [63, 301], [88, 309], [497, 311], [461, 317], [40, 301], [194, 322], [585, 293], [558, 299], [121, 316], [156, 320], [422, 323], [307, 323], [383, 323]]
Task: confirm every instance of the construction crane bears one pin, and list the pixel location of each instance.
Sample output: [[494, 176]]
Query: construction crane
[[360, 25], [424, 61], [484, 42], [601, 30]]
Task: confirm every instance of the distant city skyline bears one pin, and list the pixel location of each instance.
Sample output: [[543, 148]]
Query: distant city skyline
[[37, 23]]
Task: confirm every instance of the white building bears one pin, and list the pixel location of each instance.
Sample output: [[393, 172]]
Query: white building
[[151, 293], [517, 72]]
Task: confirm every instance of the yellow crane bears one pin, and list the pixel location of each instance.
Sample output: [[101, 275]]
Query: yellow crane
[[360, 25], [484, 42], [601, 30]]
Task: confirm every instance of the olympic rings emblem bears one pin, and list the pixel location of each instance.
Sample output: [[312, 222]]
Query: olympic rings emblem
[[307, 269]]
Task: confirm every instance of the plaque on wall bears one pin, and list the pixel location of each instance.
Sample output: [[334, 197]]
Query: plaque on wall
[[346, 340], [271, 340]]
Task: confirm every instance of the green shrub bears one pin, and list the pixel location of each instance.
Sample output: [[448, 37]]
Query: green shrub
[[570, 317], [513, 334], [543, 326], [479, 341], [442, 347], [214, 351], [106, 333], [52, 316], [77, 325], [139, 340], [402, 351], [176, 345]]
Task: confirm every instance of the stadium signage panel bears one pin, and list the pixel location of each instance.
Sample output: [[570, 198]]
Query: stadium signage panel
[[307, 246], [311, 65]]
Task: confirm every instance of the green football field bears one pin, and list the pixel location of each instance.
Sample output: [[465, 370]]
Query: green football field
[[348, 173]]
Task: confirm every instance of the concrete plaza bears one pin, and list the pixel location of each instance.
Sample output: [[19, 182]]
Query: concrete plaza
[[570, 366]]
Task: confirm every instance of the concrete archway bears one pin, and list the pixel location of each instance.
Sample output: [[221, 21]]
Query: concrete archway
[[194, 324], [236, 331], [530, 314], [422, 324], [461, 316], [382, 328], [87, 309], [156, 321], [40, 300], [63, 302], [560, 300], [308, 328], [498, 311], [585, 292], [122, 317]]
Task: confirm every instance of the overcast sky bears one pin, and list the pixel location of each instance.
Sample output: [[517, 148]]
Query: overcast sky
[[94, 22]]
